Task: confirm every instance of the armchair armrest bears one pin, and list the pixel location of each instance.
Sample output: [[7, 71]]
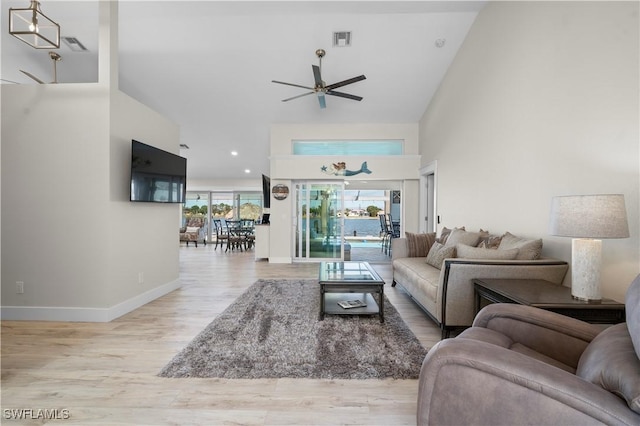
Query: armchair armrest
[[557, 336], [464, 381]]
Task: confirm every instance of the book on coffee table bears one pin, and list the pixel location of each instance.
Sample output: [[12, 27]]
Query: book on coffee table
[[348, 304]]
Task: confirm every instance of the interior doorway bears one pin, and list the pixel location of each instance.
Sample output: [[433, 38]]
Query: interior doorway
[[428, 186]]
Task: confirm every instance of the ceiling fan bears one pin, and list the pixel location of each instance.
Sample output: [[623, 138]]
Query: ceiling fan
[[321, 88], [55, 58]]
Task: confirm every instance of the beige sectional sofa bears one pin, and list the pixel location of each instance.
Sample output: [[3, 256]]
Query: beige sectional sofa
[[438, 273]]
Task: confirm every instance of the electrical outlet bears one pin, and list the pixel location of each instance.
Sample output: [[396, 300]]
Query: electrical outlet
[[20, 287], [140, 277]]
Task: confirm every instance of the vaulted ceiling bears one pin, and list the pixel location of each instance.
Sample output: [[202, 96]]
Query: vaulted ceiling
[[208, 65]]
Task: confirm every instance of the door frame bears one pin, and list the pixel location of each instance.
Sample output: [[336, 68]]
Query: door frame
[[428, 197]]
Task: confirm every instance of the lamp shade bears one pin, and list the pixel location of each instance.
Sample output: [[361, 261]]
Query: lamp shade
[[589, 216]]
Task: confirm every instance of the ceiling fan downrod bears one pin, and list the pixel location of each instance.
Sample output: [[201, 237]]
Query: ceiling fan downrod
[[55, 58]]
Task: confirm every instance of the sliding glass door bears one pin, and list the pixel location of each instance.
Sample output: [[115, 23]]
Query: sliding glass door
[[319, 221]]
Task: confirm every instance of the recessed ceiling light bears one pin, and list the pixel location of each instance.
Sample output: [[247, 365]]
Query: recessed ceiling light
[[247, 171], [234, 153]]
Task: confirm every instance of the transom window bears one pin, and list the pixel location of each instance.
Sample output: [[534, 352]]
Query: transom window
[[348, 147]]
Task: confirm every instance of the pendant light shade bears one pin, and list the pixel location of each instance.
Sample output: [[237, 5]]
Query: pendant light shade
[[33, 27]]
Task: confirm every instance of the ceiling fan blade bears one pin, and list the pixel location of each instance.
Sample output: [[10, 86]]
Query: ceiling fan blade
[[344, 95], [291, 84], [316, 76], [299, 96], [323, 102], [345, 82], [33, 77]]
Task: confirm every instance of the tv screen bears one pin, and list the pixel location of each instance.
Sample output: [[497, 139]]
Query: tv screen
[[266, 191], [157, 176]]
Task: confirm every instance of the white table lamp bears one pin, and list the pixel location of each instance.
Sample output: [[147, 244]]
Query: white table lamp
[[588, 219]]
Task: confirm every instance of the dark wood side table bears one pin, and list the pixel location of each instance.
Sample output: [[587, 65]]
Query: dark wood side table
[[545, 295]]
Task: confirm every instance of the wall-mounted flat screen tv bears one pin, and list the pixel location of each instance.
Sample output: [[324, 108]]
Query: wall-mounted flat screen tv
[[157, 176], [266, 192]]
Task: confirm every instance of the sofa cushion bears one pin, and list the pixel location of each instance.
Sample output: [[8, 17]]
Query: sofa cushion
[[527, 249], [610, 361], [460, 236], [419, 244], [467, 252], [439, 253], [420, 278]]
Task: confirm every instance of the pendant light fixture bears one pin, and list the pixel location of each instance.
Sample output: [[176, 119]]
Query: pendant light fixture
[[33, 27]]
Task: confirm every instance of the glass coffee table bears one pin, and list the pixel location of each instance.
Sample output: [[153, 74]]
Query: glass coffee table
[[345, 282]]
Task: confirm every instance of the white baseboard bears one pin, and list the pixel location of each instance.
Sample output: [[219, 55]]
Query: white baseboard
[[75, 314]]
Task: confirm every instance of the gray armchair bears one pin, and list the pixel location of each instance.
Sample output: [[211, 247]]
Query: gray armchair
[[523, 365]]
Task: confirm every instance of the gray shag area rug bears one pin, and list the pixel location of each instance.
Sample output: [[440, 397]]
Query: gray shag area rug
[[273, 331]]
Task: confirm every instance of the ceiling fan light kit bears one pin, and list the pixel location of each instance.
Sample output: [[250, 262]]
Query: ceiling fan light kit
[[33, 27], [320, 88]]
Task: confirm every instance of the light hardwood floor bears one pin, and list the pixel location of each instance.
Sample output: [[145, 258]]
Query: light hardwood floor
[[105, 373]]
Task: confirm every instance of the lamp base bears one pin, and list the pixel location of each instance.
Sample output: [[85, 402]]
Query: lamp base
[[586, 259]]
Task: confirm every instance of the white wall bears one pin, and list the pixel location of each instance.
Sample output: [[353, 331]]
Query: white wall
[[68, 230], [541, 100], [149, 244], [286, 167], [54, 194]]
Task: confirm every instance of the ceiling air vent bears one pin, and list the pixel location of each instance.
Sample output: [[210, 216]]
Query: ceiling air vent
[[342, 39], [74, 44]]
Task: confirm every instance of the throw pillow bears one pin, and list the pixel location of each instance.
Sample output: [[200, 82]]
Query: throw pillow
[[444, 234], [191, 229], [490, 241], [439, 253], [527, 249], [460, 236], [483, 235], [610, 361], [468, 252], [419, 244]]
